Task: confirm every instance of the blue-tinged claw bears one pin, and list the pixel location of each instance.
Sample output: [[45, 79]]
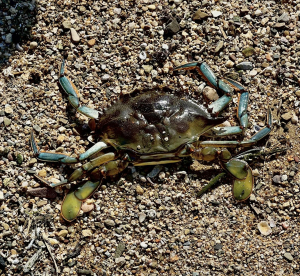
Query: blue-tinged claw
[[226, 89], [68, 86], [34, 144], [59, 183], [74, 101], [56, 157], [187, 66]]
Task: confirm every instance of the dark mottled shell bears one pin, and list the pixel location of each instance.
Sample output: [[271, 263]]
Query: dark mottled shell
[[154, 123]]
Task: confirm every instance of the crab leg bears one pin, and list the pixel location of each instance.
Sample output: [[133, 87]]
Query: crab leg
[[73, 95], [226, 86], [252, 141], [64, 158]]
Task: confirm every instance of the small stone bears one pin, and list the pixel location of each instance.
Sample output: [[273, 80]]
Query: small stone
[[42, 173], [7, 121], [87, 233], [287, 116], [277, 179], [105, 77], [60, 139], [67, 25], [285, 225], [32, 161], [74, 36], [219, 46], [298, 93], [1, 195], [174, 258], [152, 7], [173, 27], [258, 12], [109, 223], [37, 128], [142, 217], [5, 226], [253, 73], [255, 172], [288, 256], [8, 109], [294, 119], [87, 207], [91, 42], [269, 57], [120, 261], [248, 52], [53, 241], [139, 190], [229, 64], [210, 93], [120, 249], [245, 65], [279, 25], [264, 228], [33, 45], [143, 245], [218, 246], [216, 13], [199, 15], [284, 17], [143, 55], [8, 38], [20, 158], [148, 68], [41, 203], [62, 233]]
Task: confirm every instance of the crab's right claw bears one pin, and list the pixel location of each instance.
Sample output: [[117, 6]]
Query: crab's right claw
[[242, 189], [73, 200]]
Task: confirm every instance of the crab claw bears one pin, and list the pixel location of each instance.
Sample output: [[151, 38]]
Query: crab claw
[[242, 189], [70, 207]]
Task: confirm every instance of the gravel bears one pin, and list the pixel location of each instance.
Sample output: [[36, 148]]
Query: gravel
[[137, 224]]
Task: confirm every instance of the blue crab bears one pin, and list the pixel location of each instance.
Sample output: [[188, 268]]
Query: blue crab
[[156, 128]]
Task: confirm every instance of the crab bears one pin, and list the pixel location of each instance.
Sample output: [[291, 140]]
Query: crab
[[157, 128]]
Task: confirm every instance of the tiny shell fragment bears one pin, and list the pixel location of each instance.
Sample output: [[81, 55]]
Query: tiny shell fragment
[[264, 228]]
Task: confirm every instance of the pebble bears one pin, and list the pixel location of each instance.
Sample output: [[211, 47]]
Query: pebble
[[41, 203], [248, 52], [245, 65], [7, 121], [287, 116], [67, 25], [8, 109], [284, 17], [1, 195], [139, 190], [8, 38], [210, 93], [87, 207], [62, 233], [120, 261], [264, 228], [20, 158], [109, 223], [285, 225], [91, 42], [87, 233], [199, 15], [216, 13], [74, 36], [148, 68], [105, 77], [288, 256], [229, 64], [143, 245], [33, 45], [143, 55], [120, 249], [142, 217], [277, 179], [173, 27], [294, 119], [219, 46]]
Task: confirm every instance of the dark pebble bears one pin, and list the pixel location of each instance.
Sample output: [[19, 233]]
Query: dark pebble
[[218, 246], [2, 262], [84, 272], [45, 192], [245, 65]]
